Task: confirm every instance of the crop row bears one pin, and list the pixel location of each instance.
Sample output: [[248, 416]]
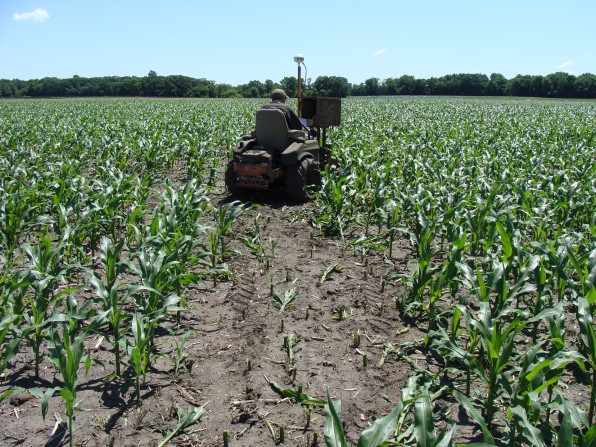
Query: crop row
[[497, 199]]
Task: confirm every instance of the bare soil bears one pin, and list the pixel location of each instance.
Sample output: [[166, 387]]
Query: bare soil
[[236, 348]]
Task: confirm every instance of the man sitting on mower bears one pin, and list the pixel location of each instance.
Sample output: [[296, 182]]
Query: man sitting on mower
[[278, 101]]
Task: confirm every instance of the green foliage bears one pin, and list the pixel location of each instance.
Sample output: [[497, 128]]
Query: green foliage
[[496, 197]]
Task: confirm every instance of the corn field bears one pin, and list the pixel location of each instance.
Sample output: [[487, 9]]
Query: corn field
[[482, 212]]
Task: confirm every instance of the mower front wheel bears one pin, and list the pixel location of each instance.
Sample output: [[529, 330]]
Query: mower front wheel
[[303, 179]]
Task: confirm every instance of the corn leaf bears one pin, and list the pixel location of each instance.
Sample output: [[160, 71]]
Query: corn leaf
[[333, 428]]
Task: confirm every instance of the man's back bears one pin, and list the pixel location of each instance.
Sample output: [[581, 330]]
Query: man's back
[[291, 117]]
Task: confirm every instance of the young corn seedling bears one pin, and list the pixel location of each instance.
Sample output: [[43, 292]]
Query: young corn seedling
[[192, 415], [424, 427], [282, 301], [112, 312], [139, 354], [160, 279], [45, 271], [15, 211], [66, 356], [381, 430], [179, 355], [588, 339], [12, 304], [328, 270], [224, 217], [253, 240], [10, 340], [296, 395], [497, 338], [539, 373]]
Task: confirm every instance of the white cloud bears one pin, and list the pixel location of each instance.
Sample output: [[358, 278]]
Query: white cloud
[[564, 64], [38, 15], [379, 52]]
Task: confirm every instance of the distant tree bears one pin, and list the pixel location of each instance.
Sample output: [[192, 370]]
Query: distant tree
[[521, 85], [497, 85], [129, 86], [335, 86], [153, 85], [290, 85], [585, 86], [7, 88], [52, 87], [407, 85], [268, 87], [561, 85], [473, 84], [556, 85], [372, 86], [203, 89], [538, 86]]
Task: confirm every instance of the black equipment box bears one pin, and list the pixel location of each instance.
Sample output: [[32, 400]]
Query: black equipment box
[[322, 111]]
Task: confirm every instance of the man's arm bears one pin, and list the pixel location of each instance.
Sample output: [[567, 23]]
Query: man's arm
[[294, 123]]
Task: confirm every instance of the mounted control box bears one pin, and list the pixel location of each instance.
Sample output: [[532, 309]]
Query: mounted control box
[[321, 111]]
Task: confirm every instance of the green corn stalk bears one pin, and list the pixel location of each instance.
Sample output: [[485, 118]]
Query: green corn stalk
[[139, 354], [334, 197], [540, 371], [424, 427], [585, 269], [282, 301], [66, 356], [9, 344], [15, 218], [498, 343], [192, 415], [160, 279], [224, 217], [179, 354], [112, 312], [379, 432], [588, 339]]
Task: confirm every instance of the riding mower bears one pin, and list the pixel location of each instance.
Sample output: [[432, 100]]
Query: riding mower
[[273, 157]]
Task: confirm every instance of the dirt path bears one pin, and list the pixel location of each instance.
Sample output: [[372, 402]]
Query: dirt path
[[239, 343]]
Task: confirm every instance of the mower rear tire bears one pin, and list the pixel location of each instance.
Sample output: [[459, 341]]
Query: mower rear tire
[[231, 179], [303, 179]]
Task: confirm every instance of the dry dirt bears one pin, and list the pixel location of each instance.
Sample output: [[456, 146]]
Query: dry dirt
[[236, 348]]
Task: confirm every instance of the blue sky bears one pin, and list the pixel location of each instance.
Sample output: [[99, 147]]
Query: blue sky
[[236, 41]]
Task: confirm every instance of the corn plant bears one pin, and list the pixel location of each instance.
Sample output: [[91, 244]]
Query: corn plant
[[424, 427], [333, 214], [192, 415], [179, 355], [10, 340], [159, 278], [498, 343], [66, 356], [378, 433], [16, 210], [253, 240], [12, 305], [588, 339], [46, 271], [282, 301], [112, 312], [139, 353]]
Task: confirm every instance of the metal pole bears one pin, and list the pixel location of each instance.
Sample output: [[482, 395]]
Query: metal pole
[[299, 92]]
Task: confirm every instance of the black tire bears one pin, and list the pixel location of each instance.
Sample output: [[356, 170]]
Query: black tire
[[231, 182], [303, 179]]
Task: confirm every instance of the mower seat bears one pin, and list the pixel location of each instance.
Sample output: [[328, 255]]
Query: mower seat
[[271, 130]]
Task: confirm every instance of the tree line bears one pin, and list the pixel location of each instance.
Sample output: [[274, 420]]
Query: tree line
[[556, 85]]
